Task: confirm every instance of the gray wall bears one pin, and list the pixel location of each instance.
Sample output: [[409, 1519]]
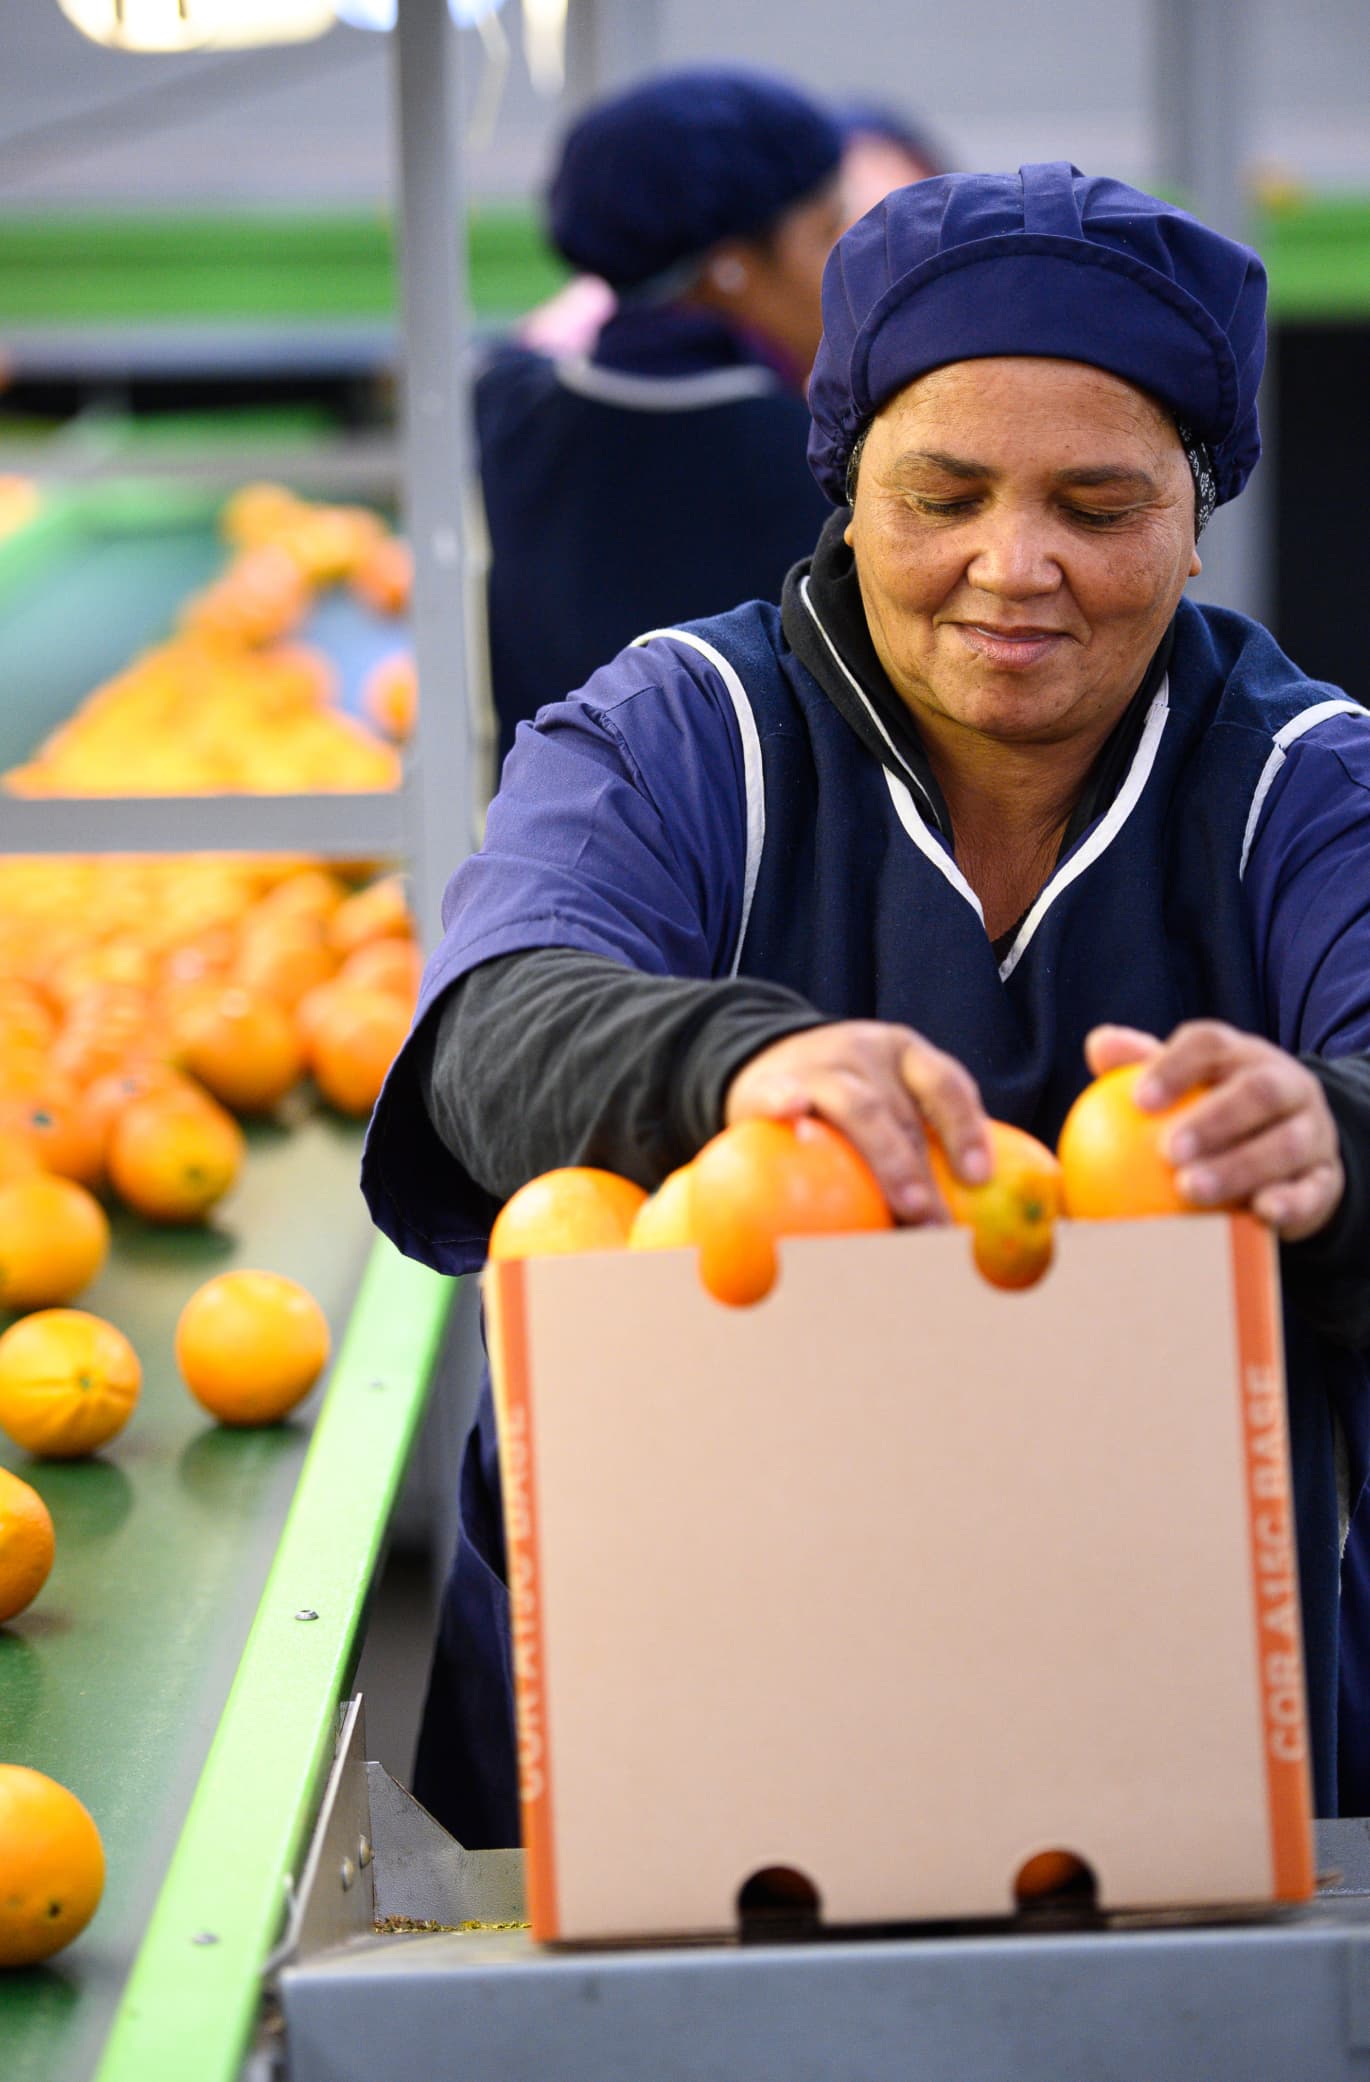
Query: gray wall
[[1001, 81]]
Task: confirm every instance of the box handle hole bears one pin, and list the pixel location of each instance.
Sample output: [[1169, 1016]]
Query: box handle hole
[[776, 1903]]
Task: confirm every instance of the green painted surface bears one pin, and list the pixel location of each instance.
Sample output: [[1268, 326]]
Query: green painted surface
[[189, 2008], [114, 1679], [59, 269], [94, 579]]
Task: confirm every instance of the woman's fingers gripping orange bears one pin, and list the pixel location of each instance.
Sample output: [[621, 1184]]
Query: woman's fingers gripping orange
[[850, 1073], [1263, 1137]]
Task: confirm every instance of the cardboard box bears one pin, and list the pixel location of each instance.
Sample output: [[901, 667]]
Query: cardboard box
[[896, 1579]]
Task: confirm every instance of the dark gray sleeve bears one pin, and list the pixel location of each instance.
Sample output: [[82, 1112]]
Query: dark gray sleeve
[[556, 1057], [1327, 1277]]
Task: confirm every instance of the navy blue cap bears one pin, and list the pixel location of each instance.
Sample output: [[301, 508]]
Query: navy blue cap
[[1045, 261], [658, 175]]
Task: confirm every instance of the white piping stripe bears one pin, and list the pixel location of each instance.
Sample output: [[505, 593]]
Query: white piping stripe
[[859, 691], [663, 393], [927, 840], [1288, 734], [752, 770], [1104, 832]]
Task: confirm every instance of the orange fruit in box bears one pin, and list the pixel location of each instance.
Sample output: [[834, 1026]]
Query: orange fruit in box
[[250, 1345], [760, 1180], [390, 965], [378, 912], [354, 1037], [68, 1382], [172, 1155], [576, 1208], [52, 1866], [1112, 1163], [27, 1544], [1013, 1214], [54, 1238], [242, 1046], [664, 1222]]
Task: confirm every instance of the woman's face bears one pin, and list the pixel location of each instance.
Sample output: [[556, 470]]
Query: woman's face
[[1023, 529]]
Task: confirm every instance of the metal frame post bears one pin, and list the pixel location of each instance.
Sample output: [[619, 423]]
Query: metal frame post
[[440, 802], [1202, 116]]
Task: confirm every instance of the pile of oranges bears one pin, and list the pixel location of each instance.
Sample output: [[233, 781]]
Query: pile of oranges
[[232, 702], [761, 1180], [145, 1006]]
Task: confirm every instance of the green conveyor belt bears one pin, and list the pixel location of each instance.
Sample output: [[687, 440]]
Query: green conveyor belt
[[114, 1679], [149, 1651]]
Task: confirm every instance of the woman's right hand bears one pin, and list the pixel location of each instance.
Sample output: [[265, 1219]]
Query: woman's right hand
[[884, 1087]]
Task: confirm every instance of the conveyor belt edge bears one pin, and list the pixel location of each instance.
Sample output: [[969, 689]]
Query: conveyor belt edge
[[191, 1999]]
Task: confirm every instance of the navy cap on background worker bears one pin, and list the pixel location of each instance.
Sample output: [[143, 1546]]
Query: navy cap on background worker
[[662, 474]]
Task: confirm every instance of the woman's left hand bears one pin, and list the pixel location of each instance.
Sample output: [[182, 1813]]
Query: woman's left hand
[[1264, 1139]]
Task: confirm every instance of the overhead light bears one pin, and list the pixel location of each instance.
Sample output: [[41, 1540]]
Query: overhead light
[[380, 14], [197, 25], [544, 44]]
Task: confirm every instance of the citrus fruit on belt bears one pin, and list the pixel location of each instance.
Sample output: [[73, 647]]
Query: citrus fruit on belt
[[250, 1345], [52, 1866], [68, 1382]]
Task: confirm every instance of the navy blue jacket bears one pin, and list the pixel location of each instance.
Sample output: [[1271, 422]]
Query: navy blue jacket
[[663, 477], [702, 809]]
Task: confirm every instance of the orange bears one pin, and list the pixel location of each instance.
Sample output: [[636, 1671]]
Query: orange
[[53, 1121], [173, 1155], [378, 912], [310, 1013], [284, 958], [242, 1046], [663, 1222], [576, 1208], [25, 1020], [53, 1240], [353, 1042], [68, 1382], [103, 1101], [384, 577], [19, 1156], [390, 965], [763, 1179], [307, 893], [250, 1345], [27, 1544], [52, 1866], [390, 696], [1112, 1164], [1050, 1872], [1012, 1215]]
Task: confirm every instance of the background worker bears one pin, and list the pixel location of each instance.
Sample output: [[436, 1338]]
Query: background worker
[[985, 805], [662, 474]]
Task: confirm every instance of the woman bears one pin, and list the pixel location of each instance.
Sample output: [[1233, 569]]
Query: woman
[[983, 806], [708, 201]]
